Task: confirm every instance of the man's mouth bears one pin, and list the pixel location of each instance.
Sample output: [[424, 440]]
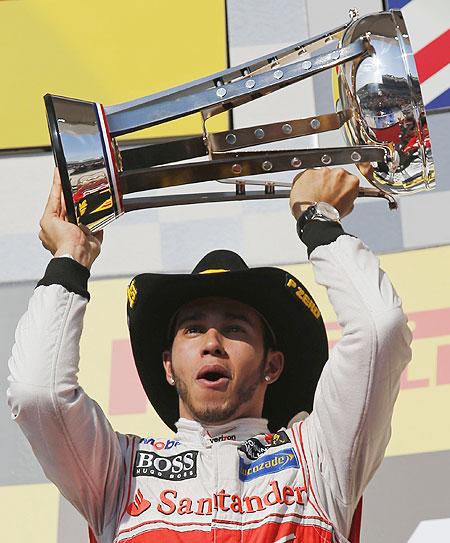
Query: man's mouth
[[214, 376]]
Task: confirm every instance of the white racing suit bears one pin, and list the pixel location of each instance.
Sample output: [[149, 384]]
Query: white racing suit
[[230, 484]]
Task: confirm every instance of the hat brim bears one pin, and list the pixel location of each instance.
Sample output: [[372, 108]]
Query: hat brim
[[300, 333]]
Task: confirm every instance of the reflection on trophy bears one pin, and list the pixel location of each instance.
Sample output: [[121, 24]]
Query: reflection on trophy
[[379, 108]]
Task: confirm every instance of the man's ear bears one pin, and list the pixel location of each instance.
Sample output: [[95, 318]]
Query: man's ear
[[274, 366], [167, 365]]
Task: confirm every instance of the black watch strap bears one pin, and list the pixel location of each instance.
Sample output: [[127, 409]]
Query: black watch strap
[[304, 218]]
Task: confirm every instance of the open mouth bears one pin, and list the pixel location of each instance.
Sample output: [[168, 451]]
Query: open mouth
[[213, 376]]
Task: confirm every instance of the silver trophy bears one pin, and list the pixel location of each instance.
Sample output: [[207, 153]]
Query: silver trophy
[[379, 108]]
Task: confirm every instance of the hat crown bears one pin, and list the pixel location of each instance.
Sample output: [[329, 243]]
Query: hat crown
[[221, 259]]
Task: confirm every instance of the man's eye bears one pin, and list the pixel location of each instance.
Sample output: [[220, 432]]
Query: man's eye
[[235, 329], [194, 329]]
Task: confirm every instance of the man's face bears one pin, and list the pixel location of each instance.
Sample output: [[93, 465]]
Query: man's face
[[218, 361]]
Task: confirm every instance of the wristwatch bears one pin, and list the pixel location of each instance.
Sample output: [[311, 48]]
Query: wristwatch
[[319, 211]]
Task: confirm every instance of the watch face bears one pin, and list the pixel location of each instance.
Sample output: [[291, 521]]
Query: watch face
[[328, 211]]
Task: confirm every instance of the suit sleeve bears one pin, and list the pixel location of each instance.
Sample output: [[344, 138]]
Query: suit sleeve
[[349, 428], [70, 435]]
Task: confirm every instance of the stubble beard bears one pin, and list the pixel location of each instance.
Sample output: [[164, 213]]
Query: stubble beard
[[218, 414]]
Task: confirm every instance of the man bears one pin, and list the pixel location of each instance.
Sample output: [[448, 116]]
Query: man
[[221, 348]]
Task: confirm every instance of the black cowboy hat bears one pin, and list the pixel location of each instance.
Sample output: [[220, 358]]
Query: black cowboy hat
[[285, 304]]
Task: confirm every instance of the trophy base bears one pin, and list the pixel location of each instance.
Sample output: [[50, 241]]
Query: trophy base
[[85, 159]]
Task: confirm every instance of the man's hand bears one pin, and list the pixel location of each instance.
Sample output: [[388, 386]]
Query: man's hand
[[61, 237], [334, 186]]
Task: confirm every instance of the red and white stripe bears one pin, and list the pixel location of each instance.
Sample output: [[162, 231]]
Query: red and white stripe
[[428, 23]]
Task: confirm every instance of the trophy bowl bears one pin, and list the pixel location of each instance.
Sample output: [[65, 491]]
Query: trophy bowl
[[384, 91]]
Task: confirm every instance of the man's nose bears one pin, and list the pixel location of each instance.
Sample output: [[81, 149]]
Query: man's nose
[[213, 343]]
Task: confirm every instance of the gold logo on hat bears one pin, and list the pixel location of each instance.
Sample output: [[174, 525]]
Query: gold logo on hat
[[218, 270], [303, 297], [131, 294]]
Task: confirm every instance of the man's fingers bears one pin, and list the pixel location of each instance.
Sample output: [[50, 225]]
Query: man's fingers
[[43, 240], [54, 198], [366, 169], [347, 211], [297, 177], [99, 236], [63, 209]]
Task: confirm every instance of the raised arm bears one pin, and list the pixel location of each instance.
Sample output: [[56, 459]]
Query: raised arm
[[349, 428], [67, 430]]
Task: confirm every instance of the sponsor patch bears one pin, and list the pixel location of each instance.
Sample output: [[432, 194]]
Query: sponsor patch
[[272, 495], [268, 496], [172, 468], [253, 448], [277, 439], [160, 444], [221, 438], [138, 505], [269, 463]]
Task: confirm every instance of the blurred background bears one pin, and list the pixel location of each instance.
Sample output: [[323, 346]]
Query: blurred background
[[112, 52]]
